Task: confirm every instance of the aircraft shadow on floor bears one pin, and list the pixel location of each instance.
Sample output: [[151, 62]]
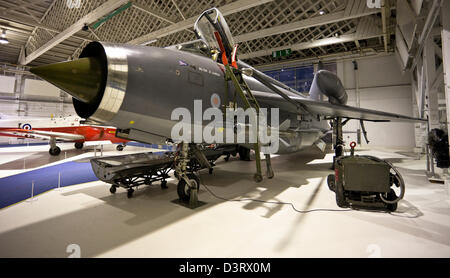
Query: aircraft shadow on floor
[[117, 220]]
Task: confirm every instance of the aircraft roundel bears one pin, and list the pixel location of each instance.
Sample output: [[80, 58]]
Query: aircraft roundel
[[26, 126], [215, 100]]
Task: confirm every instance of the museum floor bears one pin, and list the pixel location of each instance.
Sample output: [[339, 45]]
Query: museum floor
[[151, 225]]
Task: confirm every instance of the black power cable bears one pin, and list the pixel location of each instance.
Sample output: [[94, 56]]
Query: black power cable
[[268, 202]]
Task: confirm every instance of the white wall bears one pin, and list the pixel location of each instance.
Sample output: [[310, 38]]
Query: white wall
[[40, 88], [7, 84], [33, 98], [383, 87]]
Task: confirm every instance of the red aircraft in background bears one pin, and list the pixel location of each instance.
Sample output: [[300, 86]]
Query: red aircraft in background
[[63, 129]]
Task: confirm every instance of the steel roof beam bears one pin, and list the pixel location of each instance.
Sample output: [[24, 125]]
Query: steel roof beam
[[22, 20], [228, 9], [307, 23], [308, 45], [103, 10]]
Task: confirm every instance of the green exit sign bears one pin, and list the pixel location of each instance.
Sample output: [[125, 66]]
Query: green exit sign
[[281, 53]]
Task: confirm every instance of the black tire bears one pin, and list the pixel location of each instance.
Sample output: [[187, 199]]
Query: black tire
[[244, 154], [113, 189], [339, 151], [120, 148], [392, 196], [130, 193], [227, 158], [55, 151], [183, 190], [331, 181], [79, 145], [340, 198]]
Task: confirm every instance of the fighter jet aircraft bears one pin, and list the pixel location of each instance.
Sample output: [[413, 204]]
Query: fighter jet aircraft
[[137, 88]]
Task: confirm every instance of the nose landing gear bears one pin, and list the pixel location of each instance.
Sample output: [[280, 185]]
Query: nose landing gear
[[54, 150]]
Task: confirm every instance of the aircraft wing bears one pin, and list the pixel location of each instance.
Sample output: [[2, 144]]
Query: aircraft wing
[[33, 133], [327, 109]]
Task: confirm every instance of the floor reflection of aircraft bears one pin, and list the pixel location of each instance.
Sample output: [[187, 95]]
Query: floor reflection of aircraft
[[67, 129]]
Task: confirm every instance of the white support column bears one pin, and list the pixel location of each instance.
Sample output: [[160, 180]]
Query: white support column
[[18, 92], [446, 53], [419, 128], [431, 94], [445, 36]]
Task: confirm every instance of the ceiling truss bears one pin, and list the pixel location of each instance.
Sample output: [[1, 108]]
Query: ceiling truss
[[47, 31]]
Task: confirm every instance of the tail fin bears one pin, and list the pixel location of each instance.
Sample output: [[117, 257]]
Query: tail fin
[[328, 84], [314, 93]]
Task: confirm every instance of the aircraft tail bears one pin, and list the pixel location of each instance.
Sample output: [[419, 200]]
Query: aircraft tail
[[328, 84]]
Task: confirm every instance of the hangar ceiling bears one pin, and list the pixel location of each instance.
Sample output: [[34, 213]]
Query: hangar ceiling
[[48, 31]]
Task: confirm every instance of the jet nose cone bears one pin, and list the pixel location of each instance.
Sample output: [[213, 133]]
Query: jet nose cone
[[84, 78]]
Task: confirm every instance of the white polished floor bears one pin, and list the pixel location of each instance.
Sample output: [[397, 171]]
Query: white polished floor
[[150, 225]]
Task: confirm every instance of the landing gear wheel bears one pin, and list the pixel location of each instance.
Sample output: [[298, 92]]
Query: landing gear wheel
[[244, 154], [257, 178], [227, 157], [130, 193], [113, 189], [331, 181], [391, 197], [340, 198], [79, 145], [119, 148], [183, 190], [164, 185], [55, 151]]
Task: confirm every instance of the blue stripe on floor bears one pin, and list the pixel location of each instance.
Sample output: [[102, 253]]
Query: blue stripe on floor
[[14, 189]]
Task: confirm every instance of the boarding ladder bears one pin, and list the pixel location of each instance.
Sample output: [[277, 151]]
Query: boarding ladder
[[235, 75]]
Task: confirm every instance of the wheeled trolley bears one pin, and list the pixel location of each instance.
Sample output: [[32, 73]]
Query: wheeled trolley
[[130, 171]]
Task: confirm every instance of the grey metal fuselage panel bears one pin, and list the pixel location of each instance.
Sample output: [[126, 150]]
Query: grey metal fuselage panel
[[161, 80]]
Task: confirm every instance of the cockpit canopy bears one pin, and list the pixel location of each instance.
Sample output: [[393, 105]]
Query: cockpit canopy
[[210, 24]]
